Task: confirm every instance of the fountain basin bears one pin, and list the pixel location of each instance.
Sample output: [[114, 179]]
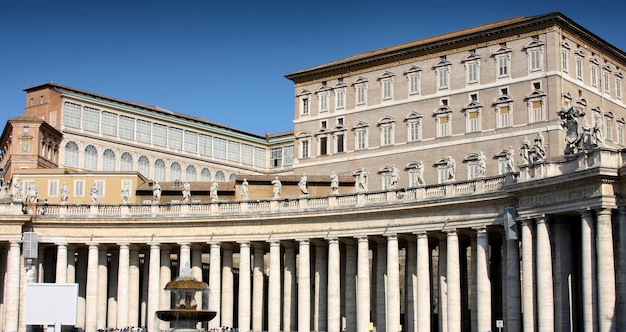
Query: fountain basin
[[185, 315]]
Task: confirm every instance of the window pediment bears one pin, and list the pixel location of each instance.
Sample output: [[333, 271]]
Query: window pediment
[[594, 60], [386, 120], [340, 128], [322, 132], [303, 134], [609, 114], [567, 96], [386, 75], [443, 109], [504, 99], [534, 44], [536, 94], [414, 165], [303, 92], [442, 63], [414, 116], [472, 157], [621, 120], [322, 88], [502, 50], [386, 169], [360, 125], [360, 80], [582, 103], [472, 105], [340, 84], [566, 45], [414, 69], [607, 67], [502, 154], [471, 57], [580, 53], [445, 161]]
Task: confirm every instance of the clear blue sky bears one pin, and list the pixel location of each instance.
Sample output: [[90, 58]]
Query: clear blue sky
[[225, 61]]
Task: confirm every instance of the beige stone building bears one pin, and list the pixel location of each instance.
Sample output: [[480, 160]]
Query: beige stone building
[[463, 182]]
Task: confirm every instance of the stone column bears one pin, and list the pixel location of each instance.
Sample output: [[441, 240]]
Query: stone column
[[320, 288], [184, 258], [423, 305], [273, 291], [123, 286], [304, 286], [334, 295], [91, 298], [112, 289], [244, 287], [12, 290], [483, 284], [133, 288], [393, 284], [165, 277], [411, 287], [81, 280], [528, 278], [228, 282], [363, 285], [154, 268], [472, 285], [289, 291], [621, 269], [454, 282], [443, 285], [61, 269], [381, 287], [258, 273], [196, 270], [587, 271], [606, 272], [513, 301], [545, 291], [215, 283], [103, 281], [350, 286]]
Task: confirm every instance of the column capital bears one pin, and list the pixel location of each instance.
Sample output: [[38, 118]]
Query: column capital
[[392, 236], [92, 244], [154, 245], [603, 211], [450, 232], [480, 230], [332, 240], [184, 244], [274, 243], [214, 244]]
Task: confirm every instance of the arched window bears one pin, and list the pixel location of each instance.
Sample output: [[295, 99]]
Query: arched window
[[71, 154], [143, 166], [190, 173], [91, 157], [126, 162], [220, 177], [108, 160], [232, 177], [205, 175], [175, 171], [159, 170]]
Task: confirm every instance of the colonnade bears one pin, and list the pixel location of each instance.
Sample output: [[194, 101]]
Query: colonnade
[[455, 279]]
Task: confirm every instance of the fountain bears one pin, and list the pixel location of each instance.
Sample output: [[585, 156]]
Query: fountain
[[185, 313]]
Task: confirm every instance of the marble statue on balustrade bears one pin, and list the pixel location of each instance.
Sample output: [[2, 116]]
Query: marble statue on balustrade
[[361, 180], [32, 193], [585, 143], [419, 169], [597, 129], [244, 189], [156, 193], [186, 192], [93, 193], [65, 193], [569, 122], [278, 186], [538, 151], [524, 151], [510, 162], [213, 192], [334, 183], [394, 177], [302, 185], [125, 194], [451, 168], [482, 164], [17, 189]]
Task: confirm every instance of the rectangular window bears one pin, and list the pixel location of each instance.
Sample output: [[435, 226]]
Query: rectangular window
[[276, 157], [609, 129], [444, 126], [323, 146], [159, 134], [233, 151], [537, 113], [109, 123], [535, 60], [472, 171], [618, 88], [503, 66], [473, 122], [386, 133], [91, 119], [579, 68], [504, 116], [594, 76], [175, 140], [472, 72], [340, 142], [443, 78], [607, 83], [323, 100], [564, 60], [414, 131], [259, 157], [100, 186], [79, 188], [361, 140], [288, 152], [386, 89], [340, 96], [305, 106], [143, 131], [205, 145], [246, 154], [191, 141], [442, 174], [127, 127], [360, 94], [620, 134], [304, 149], [414, 84], [219, 148], [53, 188], [71, 115]]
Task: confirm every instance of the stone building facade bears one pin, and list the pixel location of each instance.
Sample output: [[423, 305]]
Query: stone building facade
[[480, 184]]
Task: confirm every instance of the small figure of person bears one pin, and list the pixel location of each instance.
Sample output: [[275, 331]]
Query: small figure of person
[[186, 192], [277, 187], [302, 184], [597, 129], [244, 190], [334, 183], [17, 189], [156, 193], [125, 193], [213, 191], [93, 193], [65, 193]]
